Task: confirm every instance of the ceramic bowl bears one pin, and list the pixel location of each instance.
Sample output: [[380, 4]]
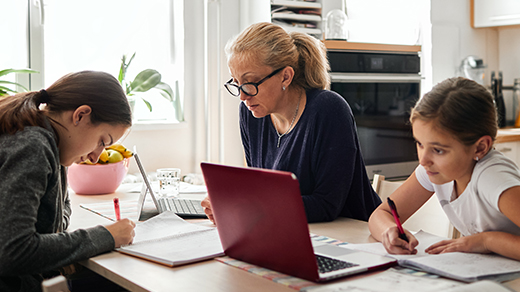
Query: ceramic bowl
[[97, 179]]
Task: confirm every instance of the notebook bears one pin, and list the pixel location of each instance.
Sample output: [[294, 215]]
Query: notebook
[[184, 207], [261, 220]]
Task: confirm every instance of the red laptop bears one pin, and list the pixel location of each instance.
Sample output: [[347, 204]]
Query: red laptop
[[261, 220]]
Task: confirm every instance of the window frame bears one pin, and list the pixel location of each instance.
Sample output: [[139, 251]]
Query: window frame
[[36, 57]]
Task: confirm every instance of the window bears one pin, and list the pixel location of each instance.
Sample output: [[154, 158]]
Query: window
[[94, 35]]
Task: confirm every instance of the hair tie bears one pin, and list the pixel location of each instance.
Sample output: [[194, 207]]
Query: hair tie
[[44, 96]]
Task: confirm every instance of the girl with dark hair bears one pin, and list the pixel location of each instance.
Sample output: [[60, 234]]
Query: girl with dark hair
[[290, 121], [42, 133], [455, 125]]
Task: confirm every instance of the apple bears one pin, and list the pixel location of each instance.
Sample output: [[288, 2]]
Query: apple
[[114, 156]]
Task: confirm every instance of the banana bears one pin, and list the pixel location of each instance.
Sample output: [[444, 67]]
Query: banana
[[127, 153], [103, 158], [88, 162], [118, 147]]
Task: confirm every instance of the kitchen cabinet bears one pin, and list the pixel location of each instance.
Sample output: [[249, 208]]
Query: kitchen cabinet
[[510, 150], [298, 16], [508, 142], [492, 13]]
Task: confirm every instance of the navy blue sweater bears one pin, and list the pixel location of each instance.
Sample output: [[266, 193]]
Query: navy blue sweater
[[322, 150]]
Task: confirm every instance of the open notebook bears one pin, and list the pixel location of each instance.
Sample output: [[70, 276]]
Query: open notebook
[[467, 267]]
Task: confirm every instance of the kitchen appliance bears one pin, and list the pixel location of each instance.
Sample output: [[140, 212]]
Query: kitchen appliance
[[472, 67], [380, 87], [516, 101], [496, 89]]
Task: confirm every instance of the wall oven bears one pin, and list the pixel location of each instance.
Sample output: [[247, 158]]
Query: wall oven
[[381, 88]]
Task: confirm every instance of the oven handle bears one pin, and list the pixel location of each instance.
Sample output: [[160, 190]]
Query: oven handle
[[371, 78]]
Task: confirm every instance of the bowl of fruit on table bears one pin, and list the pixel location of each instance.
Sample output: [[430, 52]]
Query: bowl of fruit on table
[[102, 177]]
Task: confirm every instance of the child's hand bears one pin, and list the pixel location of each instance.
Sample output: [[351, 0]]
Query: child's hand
[[122, 231], [395, 245], [473, 243]]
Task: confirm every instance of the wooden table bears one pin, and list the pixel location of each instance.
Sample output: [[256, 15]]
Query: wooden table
[[140, 275]]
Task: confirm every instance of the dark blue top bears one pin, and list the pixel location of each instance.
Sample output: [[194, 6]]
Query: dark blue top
[[322, 150]]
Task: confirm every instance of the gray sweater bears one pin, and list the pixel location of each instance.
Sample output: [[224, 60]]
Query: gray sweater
[[35, 211]]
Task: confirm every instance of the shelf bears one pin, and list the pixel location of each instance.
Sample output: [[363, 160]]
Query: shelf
[[302, 29], [345, 45], [296, 4], [286, 14], [296, 17]]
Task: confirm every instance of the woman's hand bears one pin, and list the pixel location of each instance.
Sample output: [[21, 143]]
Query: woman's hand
[[395, 245], [206, 205], [122, 231], [473, 243]]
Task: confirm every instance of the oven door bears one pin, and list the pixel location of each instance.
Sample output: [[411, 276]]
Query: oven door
[[381, 106]]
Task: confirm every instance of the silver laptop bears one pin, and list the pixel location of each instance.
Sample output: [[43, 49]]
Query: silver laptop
[[184, 207], [261, 220]]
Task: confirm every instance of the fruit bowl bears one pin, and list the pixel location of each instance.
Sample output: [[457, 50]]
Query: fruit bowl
[[98, 178]]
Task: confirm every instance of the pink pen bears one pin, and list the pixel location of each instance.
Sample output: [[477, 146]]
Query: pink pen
[[393, 208], [116, 208]]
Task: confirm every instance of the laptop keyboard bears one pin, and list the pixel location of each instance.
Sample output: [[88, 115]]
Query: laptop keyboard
[[182, 206], [326, 264]]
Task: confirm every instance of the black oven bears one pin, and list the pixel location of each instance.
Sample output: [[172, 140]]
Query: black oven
[[380, 87]]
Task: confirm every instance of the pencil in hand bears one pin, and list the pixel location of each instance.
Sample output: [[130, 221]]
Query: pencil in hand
[[117, 210]]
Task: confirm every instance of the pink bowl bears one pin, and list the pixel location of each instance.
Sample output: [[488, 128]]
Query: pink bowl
[[97, 179]]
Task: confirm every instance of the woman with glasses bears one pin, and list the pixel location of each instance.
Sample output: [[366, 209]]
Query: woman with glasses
[[288, 121]]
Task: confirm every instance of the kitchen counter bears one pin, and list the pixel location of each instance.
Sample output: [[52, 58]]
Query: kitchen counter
[[508, 135]]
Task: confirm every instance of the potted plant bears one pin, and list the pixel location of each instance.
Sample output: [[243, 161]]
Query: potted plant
[[4, 90], [146, 80]]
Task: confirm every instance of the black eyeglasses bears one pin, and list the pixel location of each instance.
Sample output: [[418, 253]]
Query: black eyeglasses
[[249, 88]]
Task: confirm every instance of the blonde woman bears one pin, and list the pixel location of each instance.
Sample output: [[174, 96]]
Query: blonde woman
[[290, 122]]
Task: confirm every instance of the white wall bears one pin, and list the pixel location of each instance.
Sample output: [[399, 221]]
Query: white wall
[[185, 146], [453, 39]]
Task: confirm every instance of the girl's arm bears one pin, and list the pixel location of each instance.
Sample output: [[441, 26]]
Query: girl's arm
[[408, 198], [493, 241]]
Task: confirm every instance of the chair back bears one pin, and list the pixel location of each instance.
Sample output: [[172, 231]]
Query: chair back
[[430, 217], [384, 188], [56, 284]]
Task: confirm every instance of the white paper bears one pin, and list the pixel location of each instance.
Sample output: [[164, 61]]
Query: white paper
[[456, 265], [394, 280], [389, 280], [425, 240], [166, 224]]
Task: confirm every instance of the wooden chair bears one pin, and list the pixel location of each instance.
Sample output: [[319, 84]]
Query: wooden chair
[[384, 187], [430, 217], [56, 284]]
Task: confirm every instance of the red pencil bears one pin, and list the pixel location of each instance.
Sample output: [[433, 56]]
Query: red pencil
[[116, 208]]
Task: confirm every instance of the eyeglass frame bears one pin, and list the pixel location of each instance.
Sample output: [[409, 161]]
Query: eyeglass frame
[[255, 84]]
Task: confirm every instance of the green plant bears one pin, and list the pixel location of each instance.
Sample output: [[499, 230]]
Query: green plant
[[144, 81], [4, 90]]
